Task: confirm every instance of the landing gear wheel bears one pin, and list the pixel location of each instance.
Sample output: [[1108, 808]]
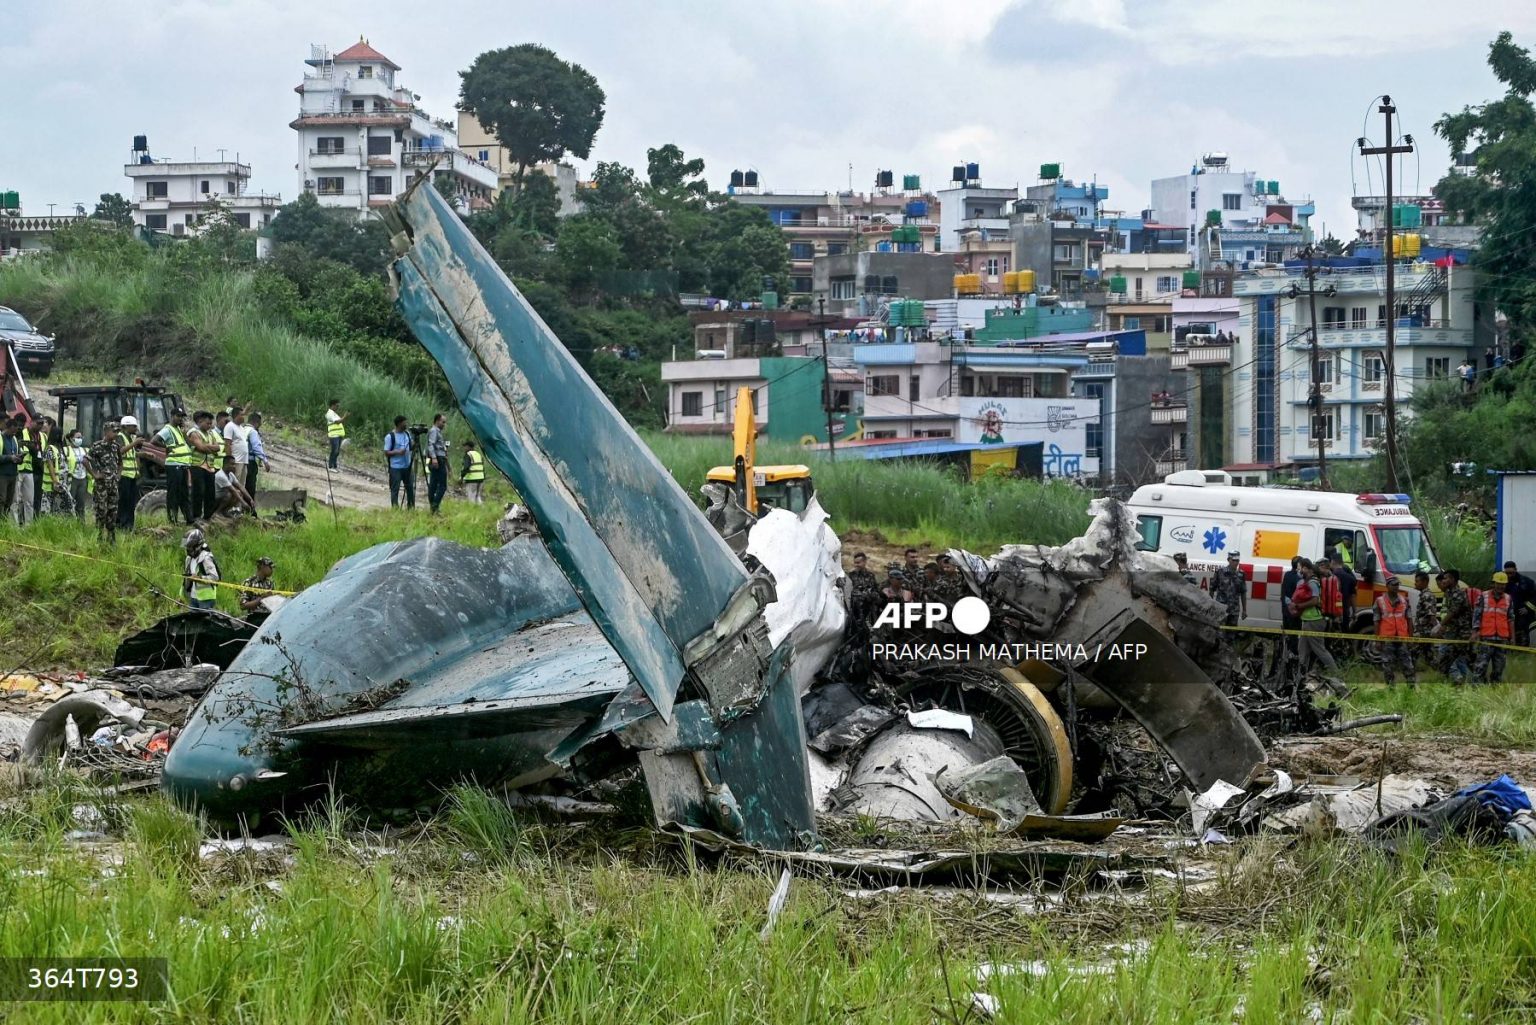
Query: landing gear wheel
[[151, 503]]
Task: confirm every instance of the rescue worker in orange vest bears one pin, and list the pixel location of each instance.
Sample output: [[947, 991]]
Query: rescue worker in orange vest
[[1330, 595], [1493, 623], [1392, 624]]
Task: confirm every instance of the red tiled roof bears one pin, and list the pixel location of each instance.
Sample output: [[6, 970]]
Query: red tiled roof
[[361, 51], [1277, 219]]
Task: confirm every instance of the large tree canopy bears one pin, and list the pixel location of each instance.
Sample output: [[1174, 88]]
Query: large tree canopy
[[1500, 137], [538, 106]]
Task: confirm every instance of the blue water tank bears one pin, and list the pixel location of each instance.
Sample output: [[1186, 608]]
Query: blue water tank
[[972, 172], [917, 208], [883, 247]]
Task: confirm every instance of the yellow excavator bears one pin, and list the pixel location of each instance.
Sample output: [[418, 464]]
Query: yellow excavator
[[760, 488]]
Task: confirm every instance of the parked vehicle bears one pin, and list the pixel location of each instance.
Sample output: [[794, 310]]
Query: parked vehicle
[[33, 350], [1268, 526]]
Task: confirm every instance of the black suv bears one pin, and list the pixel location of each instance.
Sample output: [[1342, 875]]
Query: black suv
[[34, 351]]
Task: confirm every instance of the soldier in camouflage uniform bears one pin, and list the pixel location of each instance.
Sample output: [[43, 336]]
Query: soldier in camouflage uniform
[[1229, 587], [1455, 625], [951, 586], [1426, 616], [103, 461], [863, 591]]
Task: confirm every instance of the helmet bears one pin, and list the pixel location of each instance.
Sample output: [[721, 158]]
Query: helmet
[[193, 539], [128, 421], [266, 561], [1501, 578]]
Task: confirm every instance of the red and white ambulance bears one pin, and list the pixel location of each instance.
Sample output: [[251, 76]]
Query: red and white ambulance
[[1191, 512]]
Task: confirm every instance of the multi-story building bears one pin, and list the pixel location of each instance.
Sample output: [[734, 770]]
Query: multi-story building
[[22, 234], [1140, 293], [973, 225], [481, 144], [1271, 424], [838, 223], [857, 284], [788, 372], [1087, 397], [178, 196], [363, 140], [1231, 217]]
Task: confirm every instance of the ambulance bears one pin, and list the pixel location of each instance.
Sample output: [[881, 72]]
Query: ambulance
[[1198, 513]]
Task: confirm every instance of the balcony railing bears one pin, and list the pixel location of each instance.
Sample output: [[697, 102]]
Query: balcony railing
[[1172, 413], [1179, 359], [1210, 355], [1167, 466], [1381, 325]]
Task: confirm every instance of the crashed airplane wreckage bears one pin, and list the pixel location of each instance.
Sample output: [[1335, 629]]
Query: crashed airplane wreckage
[[629, 631]]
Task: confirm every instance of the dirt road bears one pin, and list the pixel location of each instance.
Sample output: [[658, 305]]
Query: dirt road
[[295, 466]]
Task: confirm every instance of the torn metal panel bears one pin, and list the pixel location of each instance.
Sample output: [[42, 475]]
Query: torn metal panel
[[188, 639], [995, 791], [648, 566]]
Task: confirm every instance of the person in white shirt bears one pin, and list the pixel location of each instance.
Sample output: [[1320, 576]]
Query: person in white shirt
[[231, 498], [78, 482], [236, 443]]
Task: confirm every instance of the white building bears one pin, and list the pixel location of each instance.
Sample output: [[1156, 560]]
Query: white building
[[1271, 371], [970, 212], [177, 196], [363, 140], [481, 144], [1231, 217]]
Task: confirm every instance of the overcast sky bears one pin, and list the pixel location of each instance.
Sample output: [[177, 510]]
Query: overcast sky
[[1120, 90]]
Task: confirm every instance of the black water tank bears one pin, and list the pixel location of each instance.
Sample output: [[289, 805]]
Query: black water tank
[[884, 180], [736, 179], [958, 173], [141, 143], [751, 181]]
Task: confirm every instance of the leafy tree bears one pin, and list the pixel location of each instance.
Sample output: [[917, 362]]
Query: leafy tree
[[535, 206], [361, 244], [114, 209], [538, 106], [744, 248], [1331, 246], [584, 251], [673, 179], [1501, 137]]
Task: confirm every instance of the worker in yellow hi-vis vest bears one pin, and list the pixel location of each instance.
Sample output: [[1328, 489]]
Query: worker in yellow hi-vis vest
[[472, 474], [335, 429], [129, 443]]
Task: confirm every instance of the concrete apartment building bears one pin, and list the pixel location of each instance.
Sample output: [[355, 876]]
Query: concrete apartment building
[[819, 224], [177, 196], [1231, 217], [856, 284], [1140, 293], [481, 144], [362, 139]]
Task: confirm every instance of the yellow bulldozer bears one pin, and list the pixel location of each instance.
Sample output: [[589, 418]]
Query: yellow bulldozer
[[760, 488]]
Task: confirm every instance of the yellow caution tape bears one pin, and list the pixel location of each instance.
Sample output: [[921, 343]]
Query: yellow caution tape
[[141, 570], [1373, 638]]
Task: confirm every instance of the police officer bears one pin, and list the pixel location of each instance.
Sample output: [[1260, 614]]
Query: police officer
[[1392, 625], [1229, 588]]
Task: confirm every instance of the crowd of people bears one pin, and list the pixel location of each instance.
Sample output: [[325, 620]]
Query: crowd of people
[[405, 446], [910, 580]]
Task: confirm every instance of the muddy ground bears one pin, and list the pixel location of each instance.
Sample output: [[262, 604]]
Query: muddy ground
[[1446, 761]]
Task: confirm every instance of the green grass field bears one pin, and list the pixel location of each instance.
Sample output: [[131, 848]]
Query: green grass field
[[479, 915]]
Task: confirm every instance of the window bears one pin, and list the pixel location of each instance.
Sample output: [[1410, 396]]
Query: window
[[1151, 530], [1325, 370], [1333, 317], [937, 432], [801, 251], [1374, 367], [366, 71], [1066, 253], [1167, 283], [357, 104], [836, 248], [229, 188], [719, 407], [243, 221], [1231, 200], [330, 186], [912, 384], [1093, 431], [991, 266], [328, 144], [380, 185], [1015, 386], [1130, 323], [379, 107], [156, 190], [380, 145], [843, 288], [1192, 195], [1357, 318], [485, 156], [154, 222], [1325, 425], [879, 434], [202, 186], [884, 384], [1437, 367], [1375, 423], [800, 284]]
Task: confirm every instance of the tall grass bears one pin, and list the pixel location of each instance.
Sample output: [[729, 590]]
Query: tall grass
[[904, 497], [1460, 544]]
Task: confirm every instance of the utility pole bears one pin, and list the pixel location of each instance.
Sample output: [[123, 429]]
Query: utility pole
[[1315, 393], [1387, 109], [826, 388]]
